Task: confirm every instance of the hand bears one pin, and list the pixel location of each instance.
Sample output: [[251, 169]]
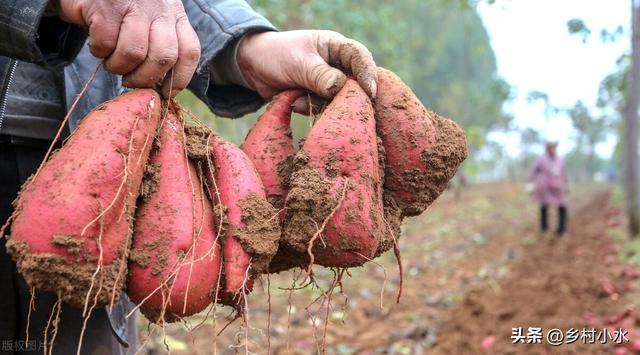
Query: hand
[[143, 40], [314, 60]]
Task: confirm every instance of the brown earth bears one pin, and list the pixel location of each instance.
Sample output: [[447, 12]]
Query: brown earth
[[555, 284]]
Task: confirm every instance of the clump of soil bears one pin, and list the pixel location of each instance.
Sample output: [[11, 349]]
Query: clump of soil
[[72, 245], [70, 279], [150, 180], [308, 204], [392, 219], [261, 231], [154, 254], [196, 142], [442, 162], [285, 169]]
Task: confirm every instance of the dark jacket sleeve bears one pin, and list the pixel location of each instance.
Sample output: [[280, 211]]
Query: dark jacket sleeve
[[218, 24], [27, 34]]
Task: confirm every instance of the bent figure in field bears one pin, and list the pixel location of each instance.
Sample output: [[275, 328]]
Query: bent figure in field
[[549, 178], [229, 56]]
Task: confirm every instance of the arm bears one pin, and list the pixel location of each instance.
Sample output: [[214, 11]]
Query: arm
[[255, 62], [220, 24], [28, 34], [161, 44]]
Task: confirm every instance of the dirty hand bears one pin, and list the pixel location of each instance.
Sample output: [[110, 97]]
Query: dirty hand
[[143, 40], [310, 59]]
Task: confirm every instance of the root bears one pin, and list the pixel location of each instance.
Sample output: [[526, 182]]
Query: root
[[123, 263], [65, 119], [336, 279], [125, 178], [146, 340], [95, 273], [228, 324], [32, 291], [317, 234], [63, 125], [55, 310], [215, 309], [342, 293], [45, 334], [384, 282], [396, 252], [215, 198], [196, 231], [56, 321], [289, 309], [86, 319], [268, 313]]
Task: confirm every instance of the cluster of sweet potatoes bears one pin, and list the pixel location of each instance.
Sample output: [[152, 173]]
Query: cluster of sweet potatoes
[[362, 168], [179, 218]]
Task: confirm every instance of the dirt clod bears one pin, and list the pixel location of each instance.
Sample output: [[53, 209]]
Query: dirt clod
[[196, 142], [308, 204], [261, 231]]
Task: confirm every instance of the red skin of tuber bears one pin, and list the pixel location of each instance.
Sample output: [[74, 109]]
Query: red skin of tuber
[[269, 145], [177, 241], [235, 179], [342, 147], [83, 199]]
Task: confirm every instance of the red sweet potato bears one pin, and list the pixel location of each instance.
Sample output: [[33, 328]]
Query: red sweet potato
[[337, 170], [175, 255], [423, 150], [76, 214], [269, 145], [252, 230]]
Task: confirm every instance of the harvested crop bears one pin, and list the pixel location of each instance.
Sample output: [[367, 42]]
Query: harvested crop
[[423, 150], [73, 219], [269, 145], [252, 229], [334, 209], [175, 259]]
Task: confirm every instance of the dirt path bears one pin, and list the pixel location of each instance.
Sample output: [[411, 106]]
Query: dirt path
[[573, 283]]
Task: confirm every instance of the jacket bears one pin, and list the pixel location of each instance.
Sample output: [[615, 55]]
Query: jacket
[[27, 35]]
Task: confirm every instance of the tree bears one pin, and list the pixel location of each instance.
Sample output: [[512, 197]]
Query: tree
[[631, 182], [591, 131], [620, 91]]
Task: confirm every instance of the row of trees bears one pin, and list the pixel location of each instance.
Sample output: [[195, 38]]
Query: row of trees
[[619, 97], [439, 47]]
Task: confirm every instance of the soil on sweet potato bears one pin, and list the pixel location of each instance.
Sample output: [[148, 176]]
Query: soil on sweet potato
[[150, 180], [196, 142], [72, 281], [308, 203], [260, 233], [158, 248], [442, 162]]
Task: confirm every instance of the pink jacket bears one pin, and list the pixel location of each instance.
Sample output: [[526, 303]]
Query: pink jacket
[[549, 177]]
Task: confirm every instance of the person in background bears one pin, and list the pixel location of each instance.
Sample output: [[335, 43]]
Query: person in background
[[549, 178]]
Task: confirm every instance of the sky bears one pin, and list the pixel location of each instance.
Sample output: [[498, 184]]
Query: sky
[[534, 51]]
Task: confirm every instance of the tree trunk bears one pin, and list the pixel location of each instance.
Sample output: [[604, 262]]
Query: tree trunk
[[632, 191]]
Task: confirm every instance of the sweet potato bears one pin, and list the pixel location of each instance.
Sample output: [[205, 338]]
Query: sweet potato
[[175, 255], [423, 150], [75, 215], [269, 145], [336, 187], [252, 230]]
